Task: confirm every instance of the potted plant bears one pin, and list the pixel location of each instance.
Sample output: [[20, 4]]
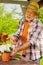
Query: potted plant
[[5, 50]]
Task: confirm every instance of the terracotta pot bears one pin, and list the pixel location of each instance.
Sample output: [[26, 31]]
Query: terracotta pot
[[5, 56]]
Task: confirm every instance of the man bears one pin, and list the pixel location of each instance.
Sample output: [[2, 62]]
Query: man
[[32, 36]]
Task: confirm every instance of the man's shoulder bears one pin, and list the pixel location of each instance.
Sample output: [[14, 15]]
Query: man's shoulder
[[37, 20]]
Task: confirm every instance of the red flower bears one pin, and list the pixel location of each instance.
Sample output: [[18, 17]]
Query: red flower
[[5, 36], [4, 40]]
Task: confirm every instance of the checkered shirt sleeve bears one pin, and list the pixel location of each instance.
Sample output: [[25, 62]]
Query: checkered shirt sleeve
[[17, 33]]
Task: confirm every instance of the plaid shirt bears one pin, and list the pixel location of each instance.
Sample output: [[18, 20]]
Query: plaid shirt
[[34, 36]]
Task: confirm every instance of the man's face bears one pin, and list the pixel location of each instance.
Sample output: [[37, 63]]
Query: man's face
[[30, 14]]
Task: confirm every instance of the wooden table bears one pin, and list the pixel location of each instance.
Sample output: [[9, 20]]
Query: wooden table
[[15, 62]]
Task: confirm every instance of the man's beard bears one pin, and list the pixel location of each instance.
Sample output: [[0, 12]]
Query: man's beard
[[29, 18]]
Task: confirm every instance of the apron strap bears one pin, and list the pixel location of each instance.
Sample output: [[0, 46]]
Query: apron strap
[[24, 35]]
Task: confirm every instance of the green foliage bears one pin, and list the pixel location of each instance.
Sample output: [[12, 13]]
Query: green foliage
[[8, 24], [41, 14], [1, 10], [41, 61]]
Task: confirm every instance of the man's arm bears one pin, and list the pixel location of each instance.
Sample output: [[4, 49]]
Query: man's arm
[[20, 48], [24, 46], [17, 33]]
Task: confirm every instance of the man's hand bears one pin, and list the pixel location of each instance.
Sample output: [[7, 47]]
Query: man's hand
[[20, 48], [14, 52], [13, 39]]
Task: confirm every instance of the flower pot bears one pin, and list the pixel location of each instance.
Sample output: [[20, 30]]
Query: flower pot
[[5, 57]]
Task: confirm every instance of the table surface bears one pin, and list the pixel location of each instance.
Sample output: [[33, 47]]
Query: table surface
[[15, 62]]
